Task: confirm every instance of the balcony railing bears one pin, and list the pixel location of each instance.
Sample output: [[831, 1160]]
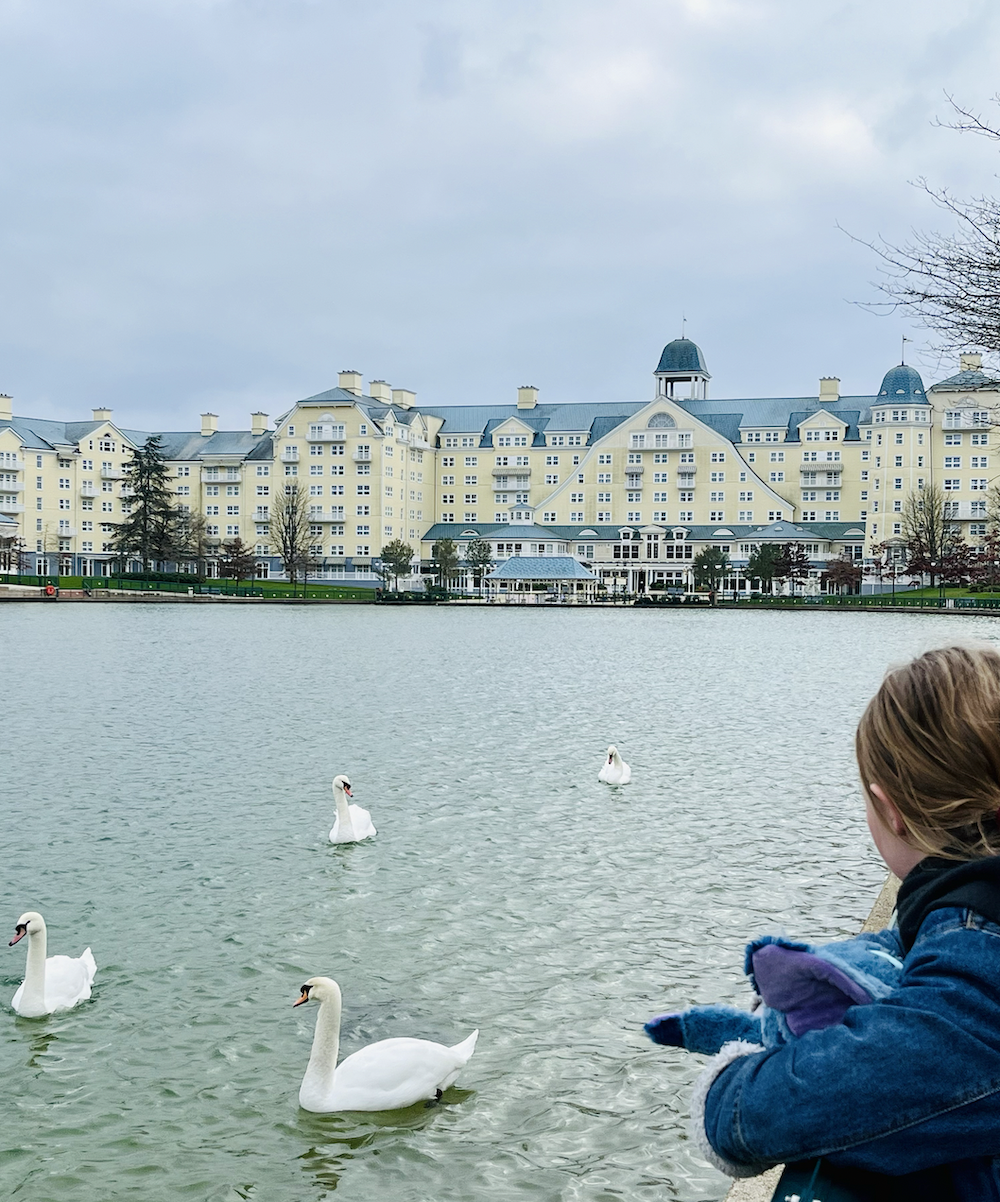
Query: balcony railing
[[327, 433], [262, 515], [113, 473], [11, 462], [326, 515], [685, 480], [290, 455], [87, 489], [361, 456], [210, 477], [9, 505], [11, 486], [66, 532]]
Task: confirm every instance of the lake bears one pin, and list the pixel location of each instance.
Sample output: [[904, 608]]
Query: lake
[[166, 772]]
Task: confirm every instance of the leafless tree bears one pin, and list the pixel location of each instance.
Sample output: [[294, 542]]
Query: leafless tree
[[289, 532], [950, 282]]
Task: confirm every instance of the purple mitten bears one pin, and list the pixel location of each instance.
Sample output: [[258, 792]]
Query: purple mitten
[[808, 990]]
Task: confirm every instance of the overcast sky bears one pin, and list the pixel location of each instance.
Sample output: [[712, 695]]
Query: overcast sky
[[221, 203]]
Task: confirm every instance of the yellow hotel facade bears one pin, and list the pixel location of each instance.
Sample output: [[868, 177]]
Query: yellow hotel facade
[[631, 489]]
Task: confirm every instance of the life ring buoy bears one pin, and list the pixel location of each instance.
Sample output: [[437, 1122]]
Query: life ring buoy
[[50, 590]]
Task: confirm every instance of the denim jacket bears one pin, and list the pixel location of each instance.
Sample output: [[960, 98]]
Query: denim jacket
[[906, 1084]]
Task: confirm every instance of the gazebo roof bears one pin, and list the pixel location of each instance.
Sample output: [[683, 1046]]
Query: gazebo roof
[[541, 567]]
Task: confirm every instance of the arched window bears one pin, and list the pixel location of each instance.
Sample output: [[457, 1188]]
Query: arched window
[[660, 421]]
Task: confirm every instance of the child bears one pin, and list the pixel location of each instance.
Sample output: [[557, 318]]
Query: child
[[909, 1083]]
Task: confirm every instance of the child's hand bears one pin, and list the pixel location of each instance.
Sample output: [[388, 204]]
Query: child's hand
[[666, 1029], [704, 1028]]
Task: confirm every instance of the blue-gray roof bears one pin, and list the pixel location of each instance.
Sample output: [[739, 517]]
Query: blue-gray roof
[[903, 384], [541, 567], [966, 381], [786, 531], [682, 355]]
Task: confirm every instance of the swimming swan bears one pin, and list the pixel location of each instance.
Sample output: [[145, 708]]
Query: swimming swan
[[388, 1075], [56, 983], [615, 771], [352, 822]]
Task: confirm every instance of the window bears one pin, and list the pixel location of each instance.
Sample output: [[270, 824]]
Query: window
[[686, 498], [263, 469], [447, 480], [604, 515], [549, 516], [604, 498], [447, 498], [831, 515], [953, 460], [576, 498], [660, 498], [897, 483], [362, 511], [232, 490], [716, 515], [952, 485], [777, 456], [809, 495], [315, 448], [718, 477], [291, 469], [718, 456], [775, 515], [660, 477], [978, 485], [685, 515], [233, 511], [746, 496], [638, 440], [746, 515], [212, 510], [716, 497], [473, 460], [777, 477], [471, 480], [551, 479], [661, 457], [184, 490], [470, 498], [603, 477], [687, 457], [978, 461], [634, 457], [364, 490], [979, 440]]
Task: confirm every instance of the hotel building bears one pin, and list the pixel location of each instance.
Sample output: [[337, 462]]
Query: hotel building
[[633, 489]]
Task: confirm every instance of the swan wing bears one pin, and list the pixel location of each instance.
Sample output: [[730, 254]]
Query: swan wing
[[361, 820], [68, 980], [393, 1074], [626, 775], [605, 774]]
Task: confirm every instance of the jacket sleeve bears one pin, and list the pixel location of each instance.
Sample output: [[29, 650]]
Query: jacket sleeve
[[905, 1083]]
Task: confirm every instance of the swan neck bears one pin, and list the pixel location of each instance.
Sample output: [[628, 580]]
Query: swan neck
[[325, 1046], [343, 811], [34, 972]]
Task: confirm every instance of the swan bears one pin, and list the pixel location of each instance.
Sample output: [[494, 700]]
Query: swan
[[352, 822], [389, 1075], [615, 771], [56, 983]]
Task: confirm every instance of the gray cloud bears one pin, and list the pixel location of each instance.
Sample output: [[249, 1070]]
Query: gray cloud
[[210, 203]]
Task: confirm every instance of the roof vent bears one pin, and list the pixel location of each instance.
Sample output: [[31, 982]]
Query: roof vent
[[258, 423], [829, 388], [404, 398], [527, 396], [380, 391], [101, 415], [209, 424]]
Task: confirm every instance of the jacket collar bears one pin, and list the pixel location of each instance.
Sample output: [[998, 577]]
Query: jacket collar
[[936, 883]]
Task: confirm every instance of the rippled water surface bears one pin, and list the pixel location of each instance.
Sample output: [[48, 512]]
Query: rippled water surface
[[166, 799]]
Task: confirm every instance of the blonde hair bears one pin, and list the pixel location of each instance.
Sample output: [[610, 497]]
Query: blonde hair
[[930, 738]]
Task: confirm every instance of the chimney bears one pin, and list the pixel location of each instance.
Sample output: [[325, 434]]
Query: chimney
[[258, 422], [970, 363], [527, 396], [6, 408], [350, 381], [209, 424], [101, 415], [404, 398], [381, 391], [829, 388]]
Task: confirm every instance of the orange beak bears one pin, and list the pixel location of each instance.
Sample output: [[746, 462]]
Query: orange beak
[[303, 998]]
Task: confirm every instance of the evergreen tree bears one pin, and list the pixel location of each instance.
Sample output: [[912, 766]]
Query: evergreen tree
[[762, 564], [396, 557], [149, 528], [445, 556], [238, 561], [792, 564], [479, 558], [710, 567]]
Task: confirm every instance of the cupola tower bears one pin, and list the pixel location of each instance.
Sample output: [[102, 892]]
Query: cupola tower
[[681, 372]]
